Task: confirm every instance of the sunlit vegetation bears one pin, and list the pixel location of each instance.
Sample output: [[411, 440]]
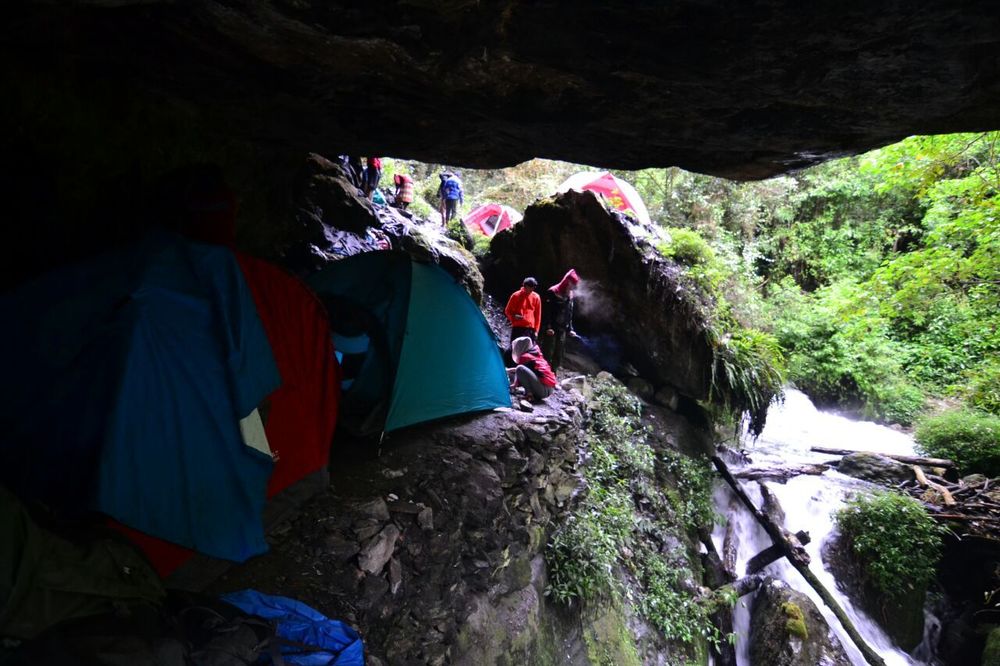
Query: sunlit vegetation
[[895, 541]]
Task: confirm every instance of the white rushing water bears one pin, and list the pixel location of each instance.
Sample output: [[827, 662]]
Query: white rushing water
[[809, 503]]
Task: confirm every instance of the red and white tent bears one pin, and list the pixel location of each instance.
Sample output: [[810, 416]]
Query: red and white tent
[[491, 218], [616, 191]]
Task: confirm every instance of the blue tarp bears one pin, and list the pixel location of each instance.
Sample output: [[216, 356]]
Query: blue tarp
[[127, 376], [299, 623]]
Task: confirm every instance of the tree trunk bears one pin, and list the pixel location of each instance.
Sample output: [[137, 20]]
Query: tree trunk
[[800, 560], [909, 460]]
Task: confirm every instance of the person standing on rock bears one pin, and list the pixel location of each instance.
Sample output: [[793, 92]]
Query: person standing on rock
[[451, 194], [524, 311], [373, 174], [404, 191], [531, 371], [557, 319]]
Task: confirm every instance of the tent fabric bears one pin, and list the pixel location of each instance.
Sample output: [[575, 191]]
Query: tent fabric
[[490, 219], [302, 412], [431, 353], [128, 375], [449, 364], [299, 623], [620, 194]]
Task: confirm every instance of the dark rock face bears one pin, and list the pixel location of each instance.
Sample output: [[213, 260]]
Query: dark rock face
[[875, 468], [901, 618], [738, 89], [786, 629], [332, 220], [627, 292]]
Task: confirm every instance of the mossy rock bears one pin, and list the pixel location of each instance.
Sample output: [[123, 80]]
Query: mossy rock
[[786, 629], [991, 653]]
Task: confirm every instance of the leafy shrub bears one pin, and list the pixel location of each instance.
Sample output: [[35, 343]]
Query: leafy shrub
[[895, 542], [687, 247], [672, 609], [749, 371], [971, 439], [984, 388], [694, 477]]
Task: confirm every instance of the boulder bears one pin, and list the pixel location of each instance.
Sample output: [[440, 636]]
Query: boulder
[[378, 550], [630, 292], [666, 396], [641, 388], [786, 629], [334, 220], [901, 618], [875, 468]]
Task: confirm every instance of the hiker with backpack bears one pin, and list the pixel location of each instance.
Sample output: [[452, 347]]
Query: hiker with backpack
[[531, 371], [557, 317], [451, 195], [373, 174], [403, 196]]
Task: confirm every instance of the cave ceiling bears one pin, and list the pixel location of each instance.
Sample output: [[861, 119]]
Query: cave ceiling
[[738, 89]]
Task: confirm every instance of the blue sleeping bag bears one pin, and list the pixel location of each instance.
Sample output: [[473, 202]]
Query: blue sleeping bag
[[340, 645]]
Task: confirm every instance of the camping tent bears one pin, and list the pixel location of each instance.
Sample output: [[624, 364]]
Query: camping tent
[[302, 412], [127, 378], [491, 218], [415, 346], [618, 193]]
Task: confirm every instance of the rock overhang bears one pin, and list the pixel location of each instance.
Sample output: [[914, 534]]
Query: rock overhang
[[743, 90]]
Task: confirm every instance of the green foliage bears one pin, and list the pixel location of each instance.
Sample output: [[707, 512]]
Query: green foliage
[[983, 387], [841, 350], [589, 554], [896, 544], [971, 439], [669, 604], [692, 500], [687, 247], [750, 366]]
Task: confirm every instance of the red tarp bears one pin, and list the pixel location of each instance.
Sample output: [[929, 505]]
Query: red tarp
[[300, 415]]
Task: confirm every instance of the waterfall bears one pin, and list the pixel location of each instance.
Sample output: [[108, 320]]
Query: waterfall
[[809, 503]]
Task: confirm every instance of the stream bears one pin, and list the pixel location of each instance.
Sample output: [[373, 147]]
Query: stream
[[809, 503]]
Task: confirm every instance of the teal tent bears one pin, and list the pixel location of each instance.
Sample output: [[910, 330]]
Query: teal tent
[[413, 345]]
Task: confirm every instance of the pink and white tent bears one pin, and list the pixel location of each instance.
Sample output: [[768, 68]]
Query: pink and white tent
[[488, 219], [616, 191]]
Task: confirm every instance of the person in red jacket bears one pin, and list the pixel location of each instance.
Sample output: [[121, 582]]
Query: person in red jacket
[[532, 370], [524, 311]]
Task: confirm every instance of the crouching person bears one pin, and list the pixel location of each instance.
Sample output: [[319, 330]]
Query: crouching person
[[532, 371]]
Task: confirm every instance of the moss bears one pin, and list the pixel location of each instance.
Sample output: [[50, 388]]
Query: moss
[[608, 640], [796, 624], [991, 653]]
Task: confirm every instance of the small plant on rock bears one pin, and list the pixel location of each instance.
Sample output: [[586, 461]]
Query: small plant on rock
[[893, 539]]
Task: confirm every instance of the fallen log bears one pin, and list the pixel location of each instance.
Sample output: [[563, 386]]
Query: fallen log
[[779, 474], [718, 577], [927, 483], [909, 460], [773, 553], [800, 560]]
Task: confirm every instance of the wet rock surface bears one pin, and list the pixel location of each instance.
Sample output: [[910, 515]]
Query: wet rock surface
[[786, 629], [634, 296], [876, 468], [745, 90], [333, 220], [901, 618]]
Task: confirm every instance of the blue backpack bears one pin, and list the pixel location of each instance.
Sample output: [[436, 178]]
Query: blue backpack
[[452, 189]]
